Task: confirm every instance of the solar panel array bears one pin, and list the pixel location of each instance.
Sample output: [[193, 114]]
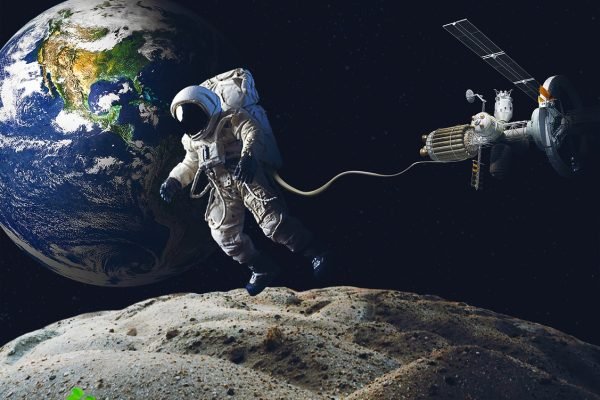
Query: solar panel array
[[481, 45]]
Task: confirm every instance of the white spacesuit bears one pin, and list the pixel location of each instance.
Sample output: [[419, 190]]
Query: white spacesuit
[[226, 146]]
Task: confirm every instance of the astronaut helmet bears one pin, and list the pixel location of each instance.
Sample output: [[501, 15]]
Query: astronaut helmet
[[197, 109]]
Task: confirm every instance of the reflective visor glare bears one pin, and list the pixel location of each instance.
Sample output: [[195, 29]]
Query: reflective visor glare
[[193, 119], [179, 113]]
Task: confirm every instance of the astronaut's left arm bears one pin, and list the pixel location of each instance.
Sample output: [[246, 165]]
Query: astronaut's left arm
[[245, 129]]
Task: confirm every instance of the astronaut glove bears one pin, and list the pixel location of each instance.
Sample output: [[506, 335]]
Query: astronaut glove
[[169, 188], [246, 168]]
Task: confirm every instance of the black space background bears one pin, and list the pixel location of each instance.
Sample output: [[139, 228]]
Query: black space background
[[353, 85]]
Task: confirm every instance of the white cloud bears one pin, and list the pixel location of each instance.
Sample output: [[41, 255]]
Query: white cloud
[[126, 88], [106, 101], [69, 122], [21, 144], [149, 114], [102, 164], [144, 17], [21, 79]]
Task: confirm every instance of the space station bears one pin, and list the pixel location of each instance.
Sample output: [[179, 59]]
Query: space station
[[560, 126]]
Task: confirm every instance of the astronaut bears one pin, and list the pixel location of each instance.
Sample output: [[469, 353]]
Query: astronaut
[[225, 146]]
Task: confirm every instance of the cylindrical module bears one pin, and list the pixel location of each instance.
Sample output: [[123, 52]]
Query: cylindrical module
[[450, 144]]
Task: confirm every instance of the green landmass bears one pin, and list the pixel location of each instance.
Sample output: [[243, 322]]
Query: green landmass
[[108, 122], [72, 71], [66, 13], [98, 33], [123, 60]]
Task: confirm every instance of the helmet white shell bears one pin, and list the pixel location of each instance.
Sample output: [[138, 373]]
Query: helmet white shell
[[205, 98]]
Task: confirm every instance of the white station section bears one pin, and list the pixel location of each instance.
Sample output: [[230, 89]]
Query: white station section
[[556, 126]]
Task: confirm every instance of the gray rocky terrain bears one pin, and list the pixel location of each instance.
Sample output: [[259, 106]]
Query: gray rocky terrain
[[334, 343]]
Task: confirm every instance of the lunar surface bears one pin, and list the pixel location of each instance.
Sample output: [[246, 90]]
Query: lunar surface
[[334, 343]]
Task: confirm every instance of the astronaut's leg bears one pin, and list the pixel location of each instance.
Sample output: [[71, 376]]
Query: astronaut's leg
[[270, 212], [225, 215]]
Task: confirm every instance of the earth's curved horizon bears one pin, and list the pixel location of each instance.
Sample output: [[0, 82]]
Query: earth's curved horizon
[[86, 138]]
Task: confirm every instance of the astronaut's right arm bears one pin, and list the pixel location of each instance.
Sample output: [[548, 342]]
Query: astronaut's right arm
[[185, 171]]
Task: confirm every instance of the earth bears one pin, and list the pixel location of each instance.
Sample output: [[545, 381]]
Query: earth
[[86, 139]]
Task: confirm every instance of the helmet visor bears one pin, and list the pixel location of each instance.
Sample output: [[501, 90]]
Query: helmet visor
[[192, 118]]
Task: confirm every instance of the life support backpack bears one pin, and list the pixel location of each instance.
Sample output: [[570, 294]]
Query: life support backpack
[[236, 89]]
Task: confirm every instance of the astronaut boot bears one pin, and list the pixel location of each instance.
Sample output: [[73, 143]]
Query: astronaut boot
[[321, 260], [264, 270]]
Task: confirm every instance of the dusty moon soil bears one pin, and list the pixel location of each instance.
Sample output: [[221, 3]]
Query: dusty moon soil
[[333, 343]]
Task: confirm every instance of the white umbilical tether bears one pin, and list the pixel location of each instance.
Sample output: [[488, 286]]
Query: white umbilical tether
[[326, 186]]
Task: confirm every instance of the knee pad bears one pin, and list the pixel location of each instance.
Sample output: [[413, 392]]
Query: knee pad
[[235, 244]]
